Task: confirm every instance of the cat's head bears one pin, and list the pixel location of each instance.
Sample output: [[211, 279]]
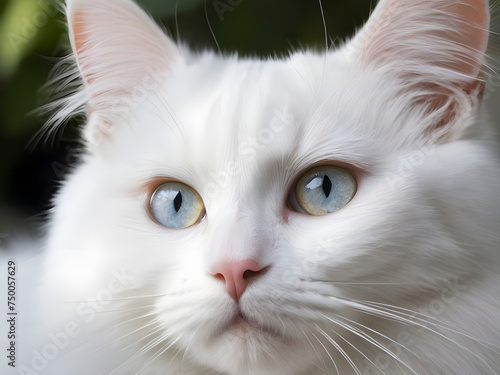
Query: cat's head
[[258, 203]]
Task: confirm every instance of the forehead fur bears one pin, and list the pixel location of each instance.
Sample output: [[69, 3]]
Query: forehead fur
[[294, 112]]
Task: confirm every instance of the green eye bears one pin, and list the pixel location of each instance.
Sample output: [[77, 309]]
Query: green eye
[[176, 205], [323, 190]]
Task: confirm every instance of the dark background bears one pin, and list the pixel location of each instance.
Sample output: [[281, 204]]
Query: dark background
[[31, 171]]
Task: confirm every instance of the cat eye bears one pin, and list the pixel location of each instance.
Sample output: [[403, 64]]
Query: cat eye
[[323, 190], [176, 205]]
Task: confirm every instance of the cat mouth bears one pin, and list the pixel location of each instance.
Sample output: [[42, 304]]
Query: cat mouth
[[244, 326]]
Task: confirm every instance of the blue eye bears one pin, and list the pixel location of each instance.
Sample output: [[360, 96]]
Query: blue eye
[[176, 205], [323, 190]]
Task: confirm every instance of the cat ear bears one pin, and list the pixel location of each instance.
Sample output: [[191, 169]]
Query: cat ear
[[117, 48], [436, 48]]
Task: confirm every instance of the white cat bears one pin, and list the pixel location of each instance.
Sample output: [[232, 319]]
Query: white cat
[[328, 213]]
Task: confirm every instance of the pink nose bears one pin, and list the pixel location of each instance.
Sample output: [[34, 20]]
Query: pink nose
[[236, 275]]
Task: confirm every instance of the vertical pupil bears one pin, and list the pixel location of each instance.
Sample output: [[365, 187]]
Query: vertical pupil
[[178, 201], [327, 185]]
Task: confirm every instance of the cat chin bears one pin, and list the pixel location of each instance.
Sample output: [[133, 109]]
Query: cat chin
[[246, 347], [240, 343]]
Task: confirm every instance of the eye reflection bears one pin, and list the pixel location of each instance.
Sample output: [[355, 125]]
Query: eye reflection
[[176, 205], [323, 190]]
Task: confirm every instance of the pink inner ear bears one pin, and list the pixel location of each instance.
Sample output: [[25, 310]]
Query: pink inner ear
[[79, 33], [475, 30], [441, 33]]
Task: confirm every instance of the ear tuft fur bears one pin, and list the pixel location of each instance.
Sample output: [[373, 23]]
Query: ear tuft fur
[[436, 49], [117, 48]]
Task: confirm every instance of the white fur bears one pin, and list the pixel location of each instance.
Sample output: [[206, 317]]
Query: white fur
[[403, 280]]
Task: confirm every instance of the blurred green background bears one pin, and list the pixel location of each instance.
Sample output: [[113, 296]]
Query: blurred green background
[[33, 38]]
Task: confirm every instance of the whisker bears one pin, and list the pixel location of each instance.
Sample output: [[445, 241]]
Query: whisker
[[124, 309], [153, 343], [130, 360], [139, 317], [440, 324], [152, 331], [369, 339], [355, 283], [109, 343], [380, 334], [120, 298], [158, 353], [176, 12], [392, 316], [326, 46], [359, 351], [327, 352], [186, 348], [340, 350], [315, 350], [210, 26]]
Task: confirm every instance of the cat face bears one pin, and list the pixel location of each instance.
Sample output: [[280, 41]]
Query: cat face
[[254, 283]]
